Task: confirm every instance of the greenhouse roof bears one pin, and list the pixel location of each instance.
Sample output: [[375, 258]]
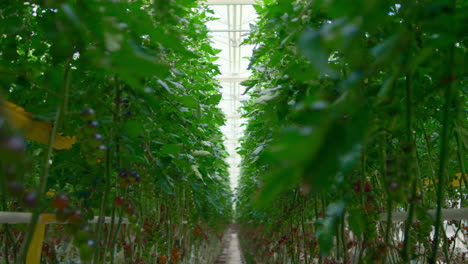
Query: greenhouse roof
[[228, 32]]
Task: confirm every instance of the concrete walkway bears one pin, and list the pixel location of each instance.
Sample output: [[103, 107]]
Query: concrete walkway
[[231, 251]]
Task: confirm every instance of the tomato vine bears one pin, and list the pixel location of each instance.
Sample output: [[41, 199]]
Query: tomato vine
[[134, 82], [352, 108]]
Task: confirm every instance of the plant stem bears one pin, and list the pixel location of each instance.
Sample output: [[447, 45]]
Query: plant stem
[[3, 188], [460, 160], [5, 226], [383, 165], [102, 210], [46, 164], [304, 236], [343, 239], [409, 166], [116, 119], [446, 128]]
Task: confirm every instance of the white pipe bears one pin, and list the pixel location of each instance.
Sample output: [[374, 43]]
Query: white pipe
[[447, 214], [15, 218], [25, 218]]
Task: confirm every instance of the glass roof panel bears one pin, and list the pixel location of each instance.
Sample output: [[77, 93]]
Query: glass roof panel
[[228, 32]]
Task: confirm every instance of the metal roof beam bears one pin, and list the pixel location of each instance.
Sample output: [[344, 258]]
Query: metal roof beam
[[232, 30], [224, 78]]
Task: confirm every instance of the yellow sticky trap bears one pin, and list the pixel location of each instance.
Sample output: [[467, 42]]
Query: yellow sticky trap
[[454, 183], [457, 181], [36, 130], [35, 248]]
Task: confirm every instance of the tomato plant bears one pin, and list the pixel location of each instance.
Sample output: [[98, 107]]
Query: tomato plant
[[355, 111], [115, 99]]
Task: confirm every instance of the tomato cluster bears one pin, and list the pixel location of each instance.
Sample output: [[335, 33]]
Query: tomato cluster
[[127, 178]]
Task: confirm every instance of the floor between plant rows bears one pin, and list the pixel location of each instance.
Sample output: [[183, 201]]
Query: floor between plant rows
[[231, 250]]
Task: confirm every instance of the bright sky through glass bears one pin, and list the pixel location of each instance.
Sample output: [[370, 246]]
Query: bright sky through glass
[[228, 32]]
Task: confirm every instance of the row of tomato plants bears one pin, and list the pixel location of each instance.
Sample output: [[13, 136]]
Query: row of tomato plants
[[355, 110], [129, 86]]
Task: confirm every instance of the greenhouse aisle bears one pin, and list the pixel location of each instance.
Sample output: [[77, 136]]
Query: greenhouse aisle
[[138, 132], [229, 30], [231, 251]]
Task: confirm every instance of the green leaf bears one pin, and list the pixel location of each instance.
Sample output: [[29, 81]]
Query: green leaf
[[311, 47], [133, 128], [170, 149], [189, 101], [214, 99], [325, 234], [356, 221], [132, 61]]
